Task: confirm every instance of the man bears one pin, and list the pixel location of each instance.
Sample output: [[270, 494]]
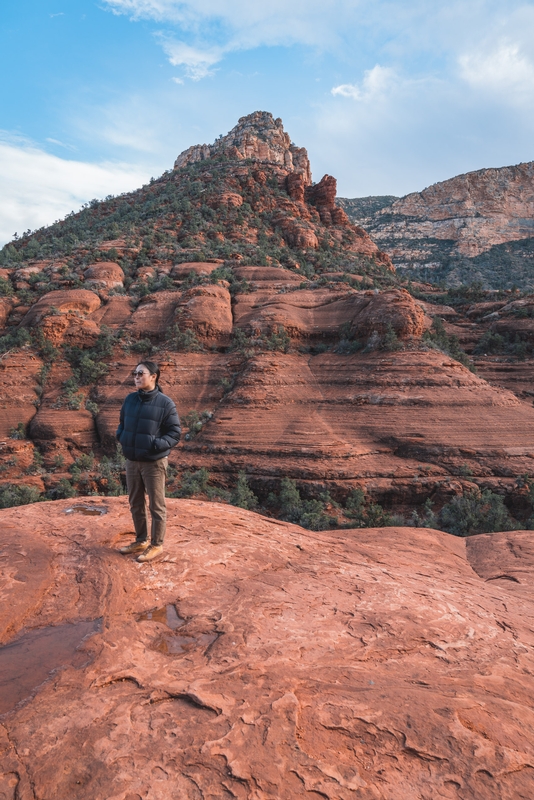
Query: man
[[149, 426]]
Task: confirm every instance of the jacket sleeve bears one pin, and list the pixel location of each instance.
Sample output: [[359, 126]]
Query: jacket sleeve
[[121, 424], [170, 430]]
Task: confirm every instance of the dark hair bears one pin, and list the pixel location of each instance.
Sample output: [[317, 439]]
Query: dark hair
[[152, 367]]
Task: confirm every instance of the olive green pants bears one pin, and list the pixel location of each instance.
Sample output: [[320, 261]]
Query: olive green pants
[[147, 477]]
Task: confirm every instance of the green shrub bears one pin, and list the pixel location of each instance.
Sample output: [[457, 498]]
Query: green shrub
[[92, 407], [363, 515], [109, 470], [36, 467], [19, 432], [475, 512], [10, 341], [309, 514], [278, 340], [85, 461], [186, 341], [195, 422], [18, 495], [390, 341], [243, 496], [290, 500], [62, 491], [437, 337], [427, 520], [6, 289], [143, 346], [192, 483]]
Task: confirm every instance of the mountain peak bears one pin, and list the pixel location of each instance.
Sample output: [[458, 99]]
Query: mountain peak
[[258, 136]]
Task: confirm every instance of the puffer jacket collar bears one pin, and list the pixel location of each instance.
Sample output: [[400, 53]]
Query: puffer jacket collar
[[144, 396]]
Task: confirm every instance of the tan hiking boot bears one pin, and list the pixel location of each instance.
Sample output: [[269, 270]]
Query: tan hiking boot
[[134, 547], [152, 553]]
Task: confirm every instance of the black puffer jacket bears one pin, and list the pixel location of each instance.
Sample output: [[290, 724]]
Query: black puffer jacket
[[149, 426]]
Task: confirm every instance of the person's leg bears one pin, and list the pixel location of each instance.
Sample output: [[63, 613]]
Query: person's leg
[[154, 474], [136, 496]]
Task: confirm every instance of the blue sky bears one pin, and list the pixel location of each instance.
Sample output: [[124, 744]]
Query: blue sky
[[388, 96]]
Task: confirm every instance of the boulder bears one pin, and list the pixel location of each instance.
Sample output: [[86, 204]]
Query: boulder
[[79, 301], [207, 310], [104, 275]]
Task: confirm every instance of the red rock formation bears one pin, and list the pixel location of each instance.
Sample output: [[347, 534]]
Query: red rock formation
[[105, 274], [259, 137], [261, 660], [207, 311], [262, 139], [80, 301], [323, 314]]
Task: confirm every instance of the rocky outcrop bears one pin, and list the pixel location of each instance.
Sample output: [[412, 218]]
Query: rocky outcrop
[[75, 301], [262, 139], [258, 137], [105, 275], [477, 226], [322, 315], [261, 660]]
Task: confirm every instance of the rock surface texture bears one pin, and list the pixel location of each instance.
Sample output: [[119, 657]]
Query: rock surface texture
[[259, 660], [477, 226]]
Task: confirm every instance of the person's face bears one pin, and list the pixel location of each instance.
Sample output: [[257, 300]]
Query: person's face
[[143, 379]]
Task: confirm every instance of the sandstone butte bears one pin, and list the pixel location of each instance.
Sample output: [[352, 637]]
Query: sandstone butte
[[476, 226], [405, 425], [260, 660]]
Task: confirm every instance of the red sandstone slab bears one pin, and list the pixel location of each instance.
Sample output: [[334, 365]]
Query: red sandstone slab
[[266, 661]]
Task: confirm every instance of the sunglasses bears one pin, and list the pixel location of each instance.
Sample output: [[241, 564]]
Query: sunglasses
[[139, 374]]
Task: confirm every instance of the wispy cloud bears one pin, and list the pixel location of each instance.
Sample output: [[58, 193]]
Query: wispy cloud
[[38, 188], [218, 27], [375, 82], [59, 143], [503, 70], [196, 61]]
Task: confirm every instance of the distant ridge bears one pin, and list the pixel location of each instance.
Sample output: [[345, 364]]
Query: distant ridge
[[475, 227]]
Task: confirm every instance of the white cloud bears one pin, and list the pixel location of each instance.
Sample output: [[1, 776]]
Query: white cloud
[[197, 62], [60, 144], [375, 82], [504, 70], [242, 24], [39, 188]]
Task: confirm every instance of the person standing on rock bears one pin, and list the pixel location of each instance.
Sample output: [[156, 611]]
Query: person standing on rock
[[149, 426]]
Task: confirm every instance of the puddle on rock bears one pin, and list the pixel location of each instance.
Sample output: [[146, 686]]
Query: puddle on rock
[[29, 660], [89, 511], [174, 645], [166, 614]]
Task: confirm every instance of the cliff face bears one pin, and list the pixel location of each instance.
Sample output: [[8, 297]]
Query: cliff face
[[478, 226]]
